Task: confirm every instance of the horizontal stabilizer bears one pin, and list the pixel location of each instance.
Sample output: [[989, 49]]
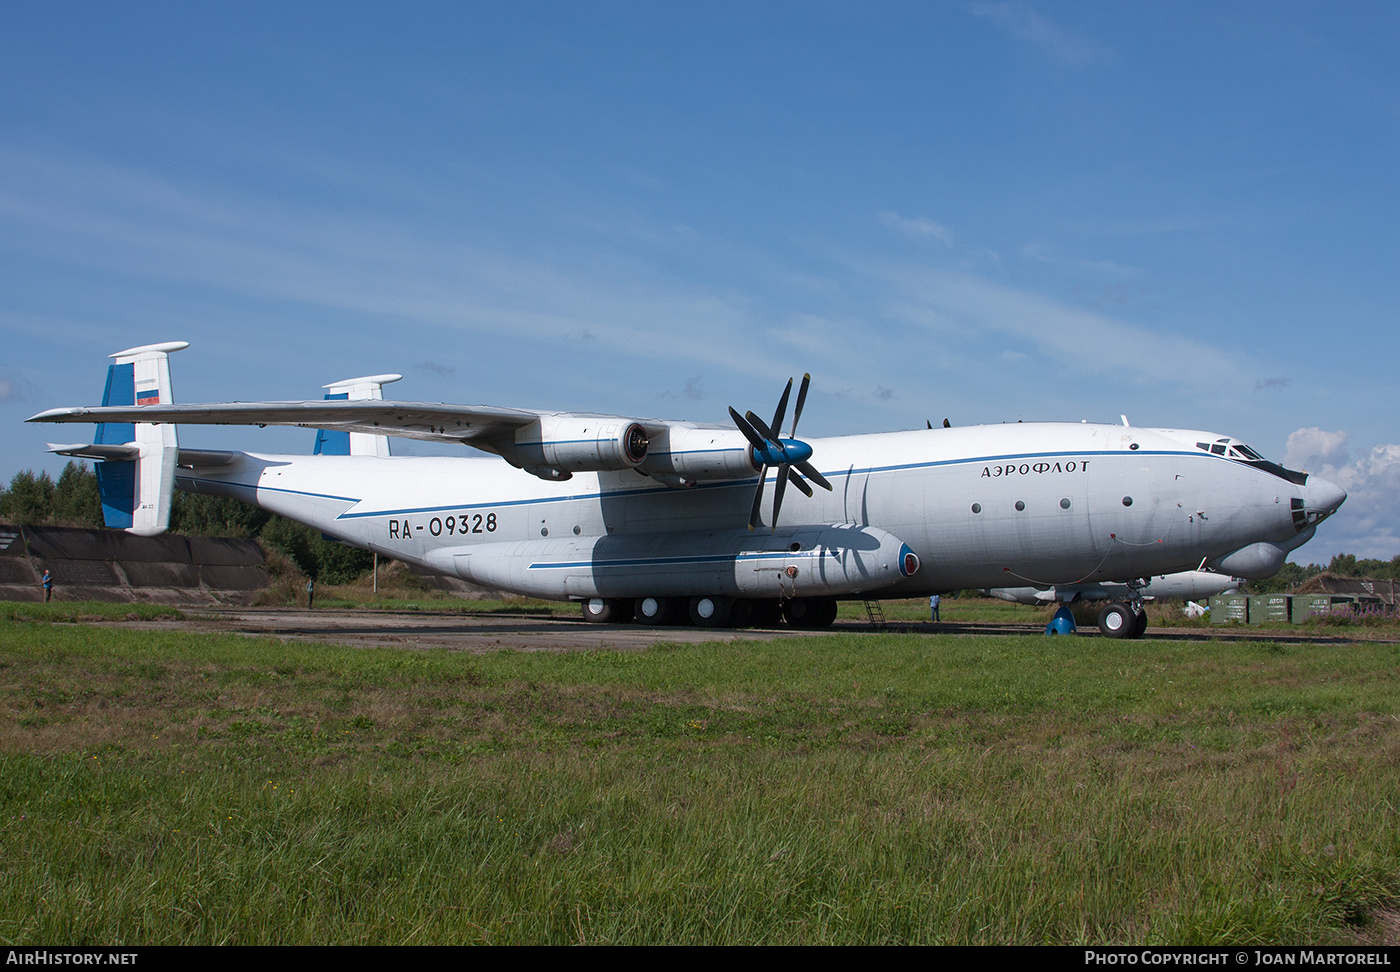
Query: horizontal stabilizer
[[190, 458], [84, 450]]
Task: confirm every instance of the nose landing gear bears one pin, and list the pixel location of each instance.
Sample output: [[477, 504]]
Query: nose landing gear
[[1125, 619]]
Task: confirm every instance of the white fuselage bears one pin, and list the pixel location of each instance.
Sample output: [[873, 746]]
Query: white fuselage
[[986, 506]]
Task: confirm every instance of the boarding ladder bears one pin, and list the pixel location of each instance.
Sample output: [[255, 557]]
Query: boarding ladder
[[877, 615]]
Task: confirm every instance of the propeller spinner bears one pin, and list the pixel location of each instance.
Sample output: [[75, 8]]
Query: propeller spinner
[[770, 450]]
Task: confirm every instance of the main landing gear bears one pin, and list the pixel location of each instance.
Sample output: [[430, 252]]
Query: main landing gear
[[713, 611], [607, 610], [1127, 618]]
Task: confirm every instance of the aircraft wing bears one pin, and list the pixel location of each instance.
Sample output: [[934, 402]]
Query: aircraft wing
[[409, 420], [551, 445]]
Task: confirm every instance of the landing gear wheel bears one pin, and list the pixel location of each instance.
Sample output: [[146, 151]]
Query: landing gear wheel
[[607, 610], [740, 612], [810, 612], [1117, 620], [708, 611], [655, 610], [1139, 625], [765, 613]]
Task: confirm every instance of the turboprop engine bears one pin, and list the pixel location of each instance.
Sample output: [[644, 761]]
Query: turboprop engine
[[557, 446], [687, 454]]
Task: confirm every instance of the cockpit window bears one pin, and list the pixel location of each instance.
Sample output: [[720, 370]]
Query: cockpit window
[[1239, 452], [1244, 452]]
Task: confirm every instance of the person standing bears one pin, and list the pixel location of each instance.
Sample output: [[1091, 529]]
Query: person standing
[[48, 586], [933, 602], [310, 593]]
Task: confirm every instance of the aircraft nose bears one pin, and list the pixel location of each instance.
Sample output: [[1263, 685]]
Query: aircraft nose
[[1322, 498]]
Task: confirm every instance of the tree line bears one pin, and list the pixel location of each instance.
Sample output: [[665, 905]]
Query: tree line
[[74, 501]]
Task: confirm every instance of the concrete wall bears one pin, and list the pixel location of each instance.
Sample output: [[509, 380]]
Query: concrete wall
[[111, 565]]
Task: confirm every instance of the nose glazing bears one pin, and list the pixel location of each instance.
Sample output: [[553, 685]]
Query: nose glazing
[[1322, 498]]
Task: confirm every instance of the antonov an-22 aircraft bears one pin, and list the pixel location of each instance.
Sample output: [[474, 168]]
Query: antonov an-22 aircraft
[[666, 520]]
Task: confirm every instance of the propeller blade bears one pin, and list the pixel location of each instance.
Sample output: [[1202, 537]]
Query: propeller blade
[[777, 425], [778, 494], [799, 482], [801, 400], [754, 438], [810, 471], [765, 431], [756, 510]]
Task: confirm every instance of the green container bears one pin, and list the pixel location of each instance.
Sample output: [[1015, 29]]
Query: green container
[[1229, 609], [1317, 605], [1268, 607]]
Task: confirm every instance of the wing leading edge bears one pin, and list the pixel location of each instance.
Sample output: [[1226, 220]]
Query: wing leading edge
[[411, 420]]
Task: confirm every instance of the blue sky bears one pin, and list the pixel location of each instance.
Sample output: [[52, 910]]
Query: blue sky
[[985, 211]]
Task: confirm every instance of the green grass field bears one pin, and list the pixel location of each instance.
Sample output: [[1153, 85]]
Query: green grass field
[[158, 787]]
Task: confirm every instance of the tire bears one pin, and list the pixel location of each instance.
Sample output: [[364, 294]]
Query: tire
[[709, 611], [655, 610], [1139, 625], [740, 612], [1117, 620], [607, 610], [810, 612], [765, 613]]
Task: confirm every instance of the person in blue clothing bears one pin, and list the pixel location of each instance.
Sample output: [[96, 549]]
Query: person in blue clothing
[[48, 585], [933, 602]]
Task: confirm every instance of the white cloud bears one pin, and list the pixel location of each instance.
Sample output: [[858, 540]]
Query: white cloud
[[1368, 524], [919, 227], [1043, 254], [139, 227], [1315, 450], [971, 306], [1021, 21]]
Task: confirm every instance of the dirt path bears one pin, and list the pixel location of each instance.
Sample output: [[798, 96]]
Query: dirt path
[[523, 632]]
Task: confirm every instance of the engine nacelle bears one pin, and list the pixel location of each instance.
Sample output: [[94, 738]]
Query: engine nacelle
[[693, 454], [576, 443]]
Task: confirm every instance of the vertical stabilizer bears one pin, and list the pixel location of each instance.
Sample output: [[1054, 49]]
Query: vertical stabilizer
[[137, 493], [330, 442]]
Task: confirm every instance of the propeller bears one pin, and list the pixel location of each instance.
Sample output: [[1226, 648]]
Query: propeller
[[769, 450]]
